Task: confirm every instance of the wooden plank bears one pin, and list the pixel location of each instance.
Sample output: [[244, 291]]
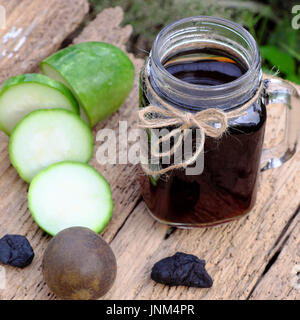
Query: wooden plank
[[282, 280], [34, 30]]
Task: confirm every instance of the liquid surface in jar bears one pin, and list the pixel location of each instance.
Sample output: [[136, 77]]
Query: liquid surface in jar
[[226, 189], [205, 67]]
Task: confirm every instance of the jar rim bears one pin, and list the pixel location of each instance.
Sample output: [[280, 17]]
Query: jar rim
[[219, 22]]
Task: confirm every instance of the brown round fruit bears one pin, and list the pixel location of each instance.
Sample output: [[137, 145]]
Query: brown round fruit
[[79, 265]]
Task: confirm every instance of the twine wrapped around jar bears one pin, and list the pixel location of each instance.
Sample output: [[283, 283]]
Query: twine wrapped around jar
[[168, 115]]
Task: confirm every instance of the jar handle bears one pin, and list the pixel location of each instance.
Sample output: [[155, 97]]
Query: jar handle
[[280, 91]]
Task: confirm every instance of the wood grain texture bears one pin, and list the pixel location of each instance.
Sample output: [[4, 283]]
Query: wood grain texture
[[236, 254], [34, 30], [282, 280]]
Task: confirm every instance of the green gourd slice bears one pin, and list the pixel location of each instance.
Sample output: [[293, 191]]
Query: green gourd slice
[[25, 93], [69, 194], [48, 136]]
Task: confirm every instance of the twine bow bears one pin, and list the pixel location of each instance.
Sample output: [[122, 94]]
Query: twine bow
[[203, 120]]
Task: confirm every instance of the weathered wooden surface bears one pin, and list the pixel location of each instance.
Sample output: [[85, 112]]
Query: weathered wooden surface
[[34, 30], [282, 281], [238, 254]]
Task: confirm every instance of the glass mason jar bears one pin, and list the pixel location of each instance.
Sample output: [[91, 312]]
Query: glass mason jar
[[226, 186]]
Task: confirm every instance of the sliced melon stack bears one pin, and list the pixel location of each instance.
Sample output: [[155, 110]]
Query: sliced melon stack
[[48, 118]]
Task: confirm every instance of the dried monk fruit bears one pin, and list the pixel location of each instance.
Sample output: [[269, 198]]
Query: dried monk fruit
[[182, 270], [16, 251]]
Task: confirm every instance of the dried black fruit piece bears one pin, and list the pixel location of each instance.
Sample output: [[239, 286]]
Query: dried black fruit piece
[[182, 269], [15, 250]]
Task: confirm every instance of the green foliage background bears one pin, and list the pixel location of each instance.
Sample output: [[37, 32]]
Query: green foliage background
[[268, 21]]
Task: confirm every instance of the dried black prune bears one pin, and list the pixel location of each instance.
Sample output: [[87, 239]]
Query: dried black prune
[[182, 269], [15, 250]]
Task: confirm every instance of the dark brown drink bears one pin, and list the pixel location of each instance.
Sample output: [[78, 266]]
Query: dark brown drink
[[226, 189], [209, 67]]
